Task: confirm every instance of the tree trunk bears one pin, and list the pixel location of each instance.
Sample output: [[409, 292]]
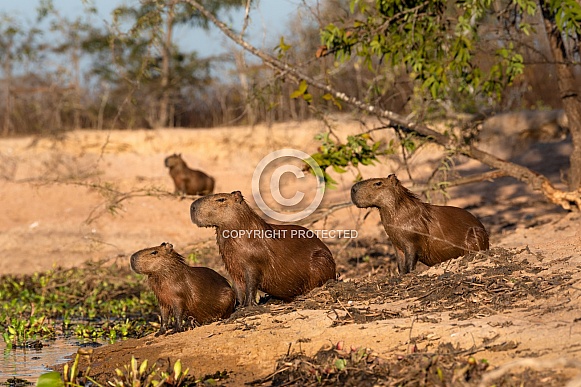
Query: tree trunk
[[164, 102], [7, 95], [568, 91], [76, 100]]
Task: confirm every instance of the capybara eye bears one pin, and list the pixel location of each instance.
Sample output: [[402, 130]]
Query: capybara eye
[[221, 200], [378, 184], [154, 252]]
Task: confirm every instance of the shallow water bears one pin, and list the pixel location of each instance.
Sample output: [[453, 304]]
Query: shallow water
[[30, 363]]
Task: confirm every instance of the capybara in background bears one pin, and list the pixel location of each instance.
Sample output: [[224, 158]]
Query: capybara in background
[[188, 181], [284, 261], [184, 291], [424, 232]]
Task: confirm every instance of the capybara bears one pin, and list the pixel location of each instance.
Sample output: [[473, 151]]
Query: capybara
[[424, 232], [188, 181], [184, 291], [284, 261]]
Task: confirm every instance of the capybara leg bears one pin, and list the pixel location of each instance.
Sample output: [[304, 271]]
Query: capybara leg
[[164, 320], [178, 320], [408, 264], [182, 188], [251, 289], [239, 290], [400, 260]]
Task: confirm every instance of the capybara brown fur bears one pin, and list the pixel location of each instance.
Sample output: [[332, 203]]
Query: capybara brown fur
[[183, 291], [424, 232], [188, 181], [284, 261]]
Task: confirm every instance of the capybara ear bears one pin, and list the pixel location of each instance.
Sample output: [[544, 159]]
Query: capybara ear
[[238, 198], [392, 178], [167, 246]]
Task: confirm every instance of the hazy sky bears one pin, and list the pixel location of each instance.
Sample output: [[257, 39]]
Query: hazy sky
[[269, 20]]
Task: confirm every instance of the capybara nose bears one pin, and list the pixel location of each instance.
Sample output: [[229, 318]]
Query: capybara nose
[[354, 189], [193, 209], [133, 261]]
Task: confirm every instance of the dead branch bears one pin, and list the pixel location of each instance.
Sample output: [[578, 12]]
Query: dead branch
[[485, 176], [323, 214], [114, 198], [568, 200]]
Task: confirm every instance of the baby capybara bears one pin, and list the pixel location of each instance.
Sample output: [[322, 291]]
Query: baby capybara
[[188, 181], [186, 292], [284, 261], [424, 232]]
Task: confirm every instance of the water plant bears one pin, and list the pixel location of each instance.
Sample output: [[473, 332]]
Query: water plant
[[98, 300], [130, 375]]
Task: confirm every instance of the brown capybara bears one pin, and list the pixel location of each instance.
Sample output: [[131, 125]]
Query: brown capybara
[[188, 181], [424, 232], [186, 292], [284, 261]]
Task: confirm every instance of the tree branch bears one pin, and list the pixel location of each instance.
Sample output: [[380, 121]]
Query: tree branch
[[567, 200]]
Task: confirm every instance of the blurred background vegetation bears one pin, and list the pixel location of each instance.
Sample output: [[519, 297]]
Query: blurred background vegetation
[[62, 73]]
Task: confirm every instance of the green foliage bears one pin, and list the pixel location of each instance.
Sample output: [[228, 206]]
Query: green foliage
[[302, 92], [96, 301], [567, 15], [130, 375], [50, 379], [437, 42], [134, 374], [18, 43], [193, 258], [282, 48], [360, 149], [22, 331]]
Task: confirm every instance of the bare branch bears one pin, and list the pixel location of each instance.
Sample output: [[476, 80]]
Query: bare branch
[[323, 214], [485, 176], [246, 17]]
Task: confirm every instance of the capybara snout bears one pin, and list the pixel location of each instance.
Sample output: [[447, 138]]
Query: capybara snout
[[149, 261], [217, 210], [371, 196]]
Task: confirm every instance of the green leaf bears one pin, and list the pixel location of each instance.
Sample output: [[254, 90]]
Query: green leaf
[[340, 364], [296, 94], [50, 379], [177, 369], [301, 91], [303, 86], [283, 46], [338, 169]]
